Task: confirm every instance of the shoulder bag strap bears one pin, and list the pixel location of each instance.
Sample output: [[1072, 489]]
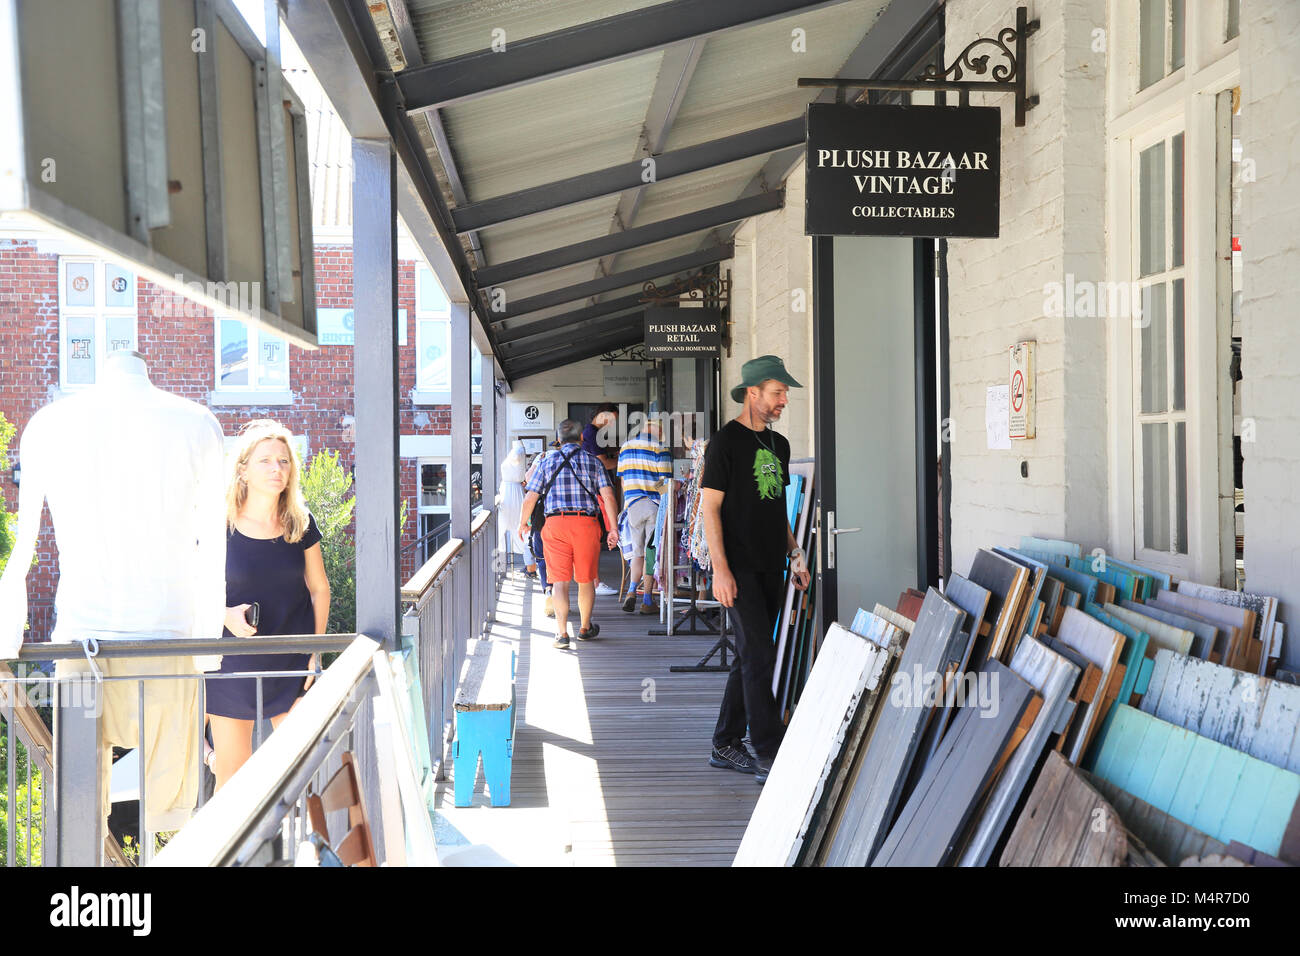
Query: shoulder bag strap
[[569, 463]]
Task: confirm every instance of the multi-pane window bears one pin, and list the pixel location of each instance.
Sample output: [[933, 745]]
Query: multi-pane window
[[1161, 368], [1162, 39], [249, 358], [97, 315], [433, 336], [434, 506]]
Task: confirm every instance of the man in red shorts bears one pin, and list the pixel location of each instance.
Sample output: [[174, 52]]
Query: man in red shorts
[[576, 490]]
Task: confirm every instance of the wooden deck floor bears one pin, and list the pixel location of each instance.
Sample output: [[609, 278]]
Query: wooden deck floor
[[611, 749]]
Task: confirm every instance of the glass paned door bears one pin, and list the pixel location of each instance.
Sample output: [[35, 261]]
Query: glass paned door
[[1160, 370]]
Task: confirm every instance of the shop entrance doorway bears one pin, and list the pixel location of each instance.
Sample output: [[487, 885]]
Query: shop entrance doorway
[[877, 331]]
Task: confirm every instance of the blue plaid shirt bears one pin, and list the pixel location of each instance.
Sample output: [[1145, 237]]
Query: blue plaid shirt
[[566, 494]]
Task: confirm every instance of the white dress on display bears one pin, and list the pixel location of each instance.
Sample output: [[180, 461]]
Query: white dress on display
[[513, 468]]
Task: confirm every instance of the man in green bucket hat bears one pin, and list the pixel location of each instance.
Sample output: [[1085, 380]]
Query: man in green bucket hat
[[742, 505]]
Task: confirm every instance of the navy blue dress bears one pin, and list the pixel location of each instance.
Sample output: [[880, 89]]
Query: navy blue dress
[[271, 573]]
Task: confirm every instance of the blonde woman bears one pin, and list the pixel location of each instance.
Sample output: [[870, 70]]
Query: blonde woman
[[273, 561]]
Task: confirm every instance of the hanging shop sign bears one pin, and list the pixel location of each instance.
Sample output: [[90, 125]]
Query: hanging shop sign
[[674, 333], [902, 170], [531, 416], [624, 382]]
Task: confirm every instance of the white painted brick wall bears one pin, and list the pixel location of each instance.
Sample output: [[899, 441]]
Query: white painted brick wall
[[1053, 222], [774, 257], [1270, 58]]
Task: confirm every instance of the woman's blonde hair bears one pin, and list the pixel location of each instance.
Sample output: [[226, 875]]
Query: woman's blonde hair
[[292, 509]]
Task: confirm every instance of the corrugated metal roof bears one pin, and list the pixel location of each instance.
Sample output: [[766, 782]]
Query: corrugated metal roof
[[565, 126], [447, 28], [524, 137], [746, 78], [330, 149]]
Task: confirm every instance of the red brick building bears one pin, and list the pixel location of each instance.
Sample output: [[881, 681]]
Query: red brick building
[[61, 312]]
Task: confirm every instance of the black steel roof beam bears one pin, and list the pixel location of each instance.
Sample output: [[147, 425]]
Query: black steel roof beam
[[566, 319], [579, 334], [604, 182], [582, 290], [578, 47], [558, 358], [630, 239]]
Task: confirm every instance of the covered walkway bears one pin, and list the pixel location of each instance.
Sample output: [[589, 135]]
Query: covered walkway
[[609, 769]]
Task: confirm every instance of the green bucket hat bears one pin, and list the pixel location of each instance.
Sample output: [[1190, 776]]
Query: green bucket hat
[[757, 371]]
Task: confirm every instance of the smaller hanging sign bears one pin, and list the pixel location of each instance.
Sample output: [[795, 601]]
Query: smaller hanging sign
[[624, 381], [673, 333]]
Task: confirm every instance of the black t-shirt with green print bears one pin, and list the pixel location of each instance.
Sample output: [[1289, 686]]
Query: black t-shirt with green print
[[751, 469]]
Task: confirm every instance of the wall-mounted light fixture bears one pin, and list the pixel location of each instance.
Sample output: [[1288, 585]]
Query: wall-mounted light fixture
[[18, 473]]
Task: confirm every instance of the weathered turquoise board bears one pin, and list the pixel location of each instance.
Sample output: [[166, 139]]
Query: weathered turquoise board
[[1220, 791]]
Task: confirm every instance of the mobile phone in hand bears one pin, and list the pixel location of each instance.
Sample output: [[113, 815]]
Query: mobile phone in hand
[[253, 614]]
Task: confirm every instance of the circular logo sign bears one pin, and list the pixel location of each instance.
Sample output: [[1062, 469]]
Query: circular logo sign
[[81, 283], [1018, 391], [119, 284], [349, 322], [532, 413]]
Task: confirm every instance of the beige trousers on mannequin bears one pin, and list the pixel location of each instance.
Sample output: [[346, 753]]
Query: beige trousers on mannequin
[[171, 732]]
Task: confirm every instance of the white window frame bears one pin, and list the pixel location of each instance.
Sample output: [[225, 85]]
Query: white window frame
[[1161, 136], [1184, 101], [420, 508], [99, 311], [428, 396], [252, 394]]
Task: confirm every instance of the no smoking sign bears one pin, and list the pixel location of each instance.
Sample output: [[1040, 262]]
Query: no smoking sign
[[1021, 419]]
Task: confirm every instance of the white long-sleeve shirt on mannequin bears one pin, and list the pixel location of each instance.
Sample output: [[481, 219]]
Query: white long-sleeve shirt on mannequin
[[134, 480]]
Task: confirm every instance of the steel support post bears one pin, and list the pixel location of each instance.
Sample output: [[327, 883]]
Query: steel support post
[[375, 384]]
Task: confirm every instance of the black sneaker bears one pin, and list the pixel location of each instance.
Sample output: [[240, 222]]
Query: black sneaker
[[761, 769], [562, 642], [629, 605], [590, 632], [729, 758]]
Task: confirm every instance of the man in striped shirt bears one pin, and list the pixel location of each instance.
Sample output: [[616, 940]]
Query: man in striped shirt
[[643, 464]]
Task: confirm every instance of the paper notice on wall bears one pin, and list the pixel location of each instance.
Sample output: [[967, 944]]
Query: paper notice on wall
[[997, 416]]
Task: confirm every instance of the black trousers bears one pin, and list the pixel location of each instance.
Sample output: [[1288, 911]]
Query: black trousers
[[747, 699]]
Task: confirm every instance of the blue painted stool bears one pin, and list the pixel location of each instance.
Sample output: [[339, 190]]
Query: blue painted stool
[[485, 721]]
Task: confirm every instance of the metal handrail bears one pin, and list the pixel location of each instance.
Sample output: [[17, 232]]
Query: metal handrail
[[429, 573], [197, 646], [245, 815]]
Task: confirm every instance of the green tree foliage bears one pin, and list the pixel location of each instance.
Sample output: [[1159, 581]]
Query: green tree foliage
[[6, 519], [328, 490], [22, 852]]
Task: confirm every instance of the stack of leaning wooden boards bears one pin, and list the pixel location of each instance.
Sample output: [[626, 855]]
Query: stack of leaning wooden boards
[[1046, 709]]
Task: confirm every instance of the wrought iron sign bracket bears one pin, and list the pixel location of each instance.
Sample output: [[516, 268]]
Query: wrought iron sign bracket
[[714, 292], [1007, 77], [630, 353]]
